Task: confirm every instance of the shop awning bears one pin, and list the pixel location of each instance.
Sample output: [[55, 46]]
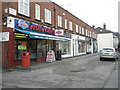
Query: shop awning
[[43, 36], [48, 38], [22, 31]]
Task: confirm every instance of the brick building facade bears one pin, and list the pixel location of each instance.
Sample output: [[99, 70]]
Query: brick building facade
[[38, 27]]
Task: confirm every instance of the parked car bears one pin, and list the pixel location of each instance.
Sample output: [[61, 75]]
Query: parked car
[[108, 53]]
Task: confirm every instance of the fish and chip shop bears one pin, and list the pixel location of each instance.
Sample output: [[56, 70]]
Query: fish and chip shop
[[36, 39]]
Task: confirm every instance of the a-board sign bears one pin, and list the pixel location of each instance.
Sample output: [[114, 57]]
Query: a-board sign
[[50, 56]]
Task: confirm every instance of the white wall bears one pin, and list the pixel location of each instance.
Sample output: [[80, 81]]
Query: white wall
[[105, 40]]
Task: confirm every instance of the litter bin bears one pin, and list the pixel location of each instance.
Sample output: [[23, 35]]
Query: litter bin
[[25, 59], [59, 55]]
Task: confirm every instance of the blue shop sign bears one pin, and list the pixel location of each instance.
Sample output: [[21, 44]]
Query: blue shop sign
[[21, 24]]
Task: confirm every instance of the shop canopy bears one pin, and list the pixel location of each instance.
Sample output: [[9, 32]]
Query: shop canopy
[[43, 36]]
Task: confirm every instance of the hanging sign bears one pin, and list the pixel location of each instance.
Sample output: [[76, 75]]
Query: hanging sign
[[4, 36]]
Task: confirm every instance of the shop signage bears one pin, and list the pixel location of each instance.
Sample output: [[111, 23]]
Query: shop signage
[[12, 11], [43, 29], [67, 35], [59, 32], [4, 36], [50, 56], [21, 24], [21, 47]]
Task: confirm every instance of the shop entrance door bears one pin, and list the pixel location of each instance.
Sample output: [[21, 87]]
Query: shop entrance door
[[41, 50], [33, 49]]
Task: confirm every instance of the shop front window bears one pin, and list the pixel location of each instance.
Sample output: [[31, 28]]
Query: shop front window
[[65, 47], [20, 46], [81, 47]]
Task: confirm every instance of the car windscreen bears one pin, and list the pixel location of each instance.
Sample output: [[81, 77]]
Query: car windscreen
[[108, 50]]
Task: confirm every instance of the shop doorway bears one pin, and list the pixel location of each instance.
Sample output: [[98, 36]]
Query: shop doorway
[[32, 48]]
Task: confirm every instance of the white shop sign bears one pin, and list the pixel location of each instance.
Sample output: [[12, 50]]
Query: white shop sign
[[50, 56], [12, 11], [4, 36]]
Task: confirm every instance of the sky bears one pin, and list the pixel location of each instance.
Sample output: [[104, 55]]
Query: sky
[[94, 12]]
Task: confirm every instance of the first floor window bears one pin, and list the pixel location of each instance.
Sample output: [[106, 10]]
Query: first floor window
[[37, 11], [70, 25], [59, 21], [23, 7], [47, 16], [80, 29], [76, 28], [65, 23]]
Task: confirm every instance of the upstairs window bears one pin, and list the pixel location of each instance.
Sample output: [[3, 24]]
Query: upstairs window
[[90, 34], [86, 32], [23, 7], [70, 25], [37, 11], [65, 23], [47, 16], [76, 28], [59, 21], [80, 29], [83, 31]]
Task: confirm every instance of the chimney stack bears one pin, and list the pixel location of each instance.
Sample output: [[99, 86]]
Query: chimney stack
[[104, 26], [93, 26]]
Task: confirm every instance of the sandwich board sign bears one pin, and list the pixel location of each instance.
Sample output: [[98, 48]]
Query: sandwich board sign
[[4, 36], [50, 56]]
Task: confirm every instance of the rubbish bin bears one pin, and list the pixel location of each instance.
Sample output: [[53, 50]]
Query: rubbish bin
[[59, 55], [25, 59]]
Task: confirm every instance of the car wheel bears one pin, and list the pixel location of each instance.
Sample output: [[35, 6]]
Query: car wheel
[[101, 59], [114, 59]]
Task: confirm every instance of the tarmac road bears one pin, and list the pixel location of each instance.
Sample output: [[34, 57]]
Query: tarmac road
[[78, 72]]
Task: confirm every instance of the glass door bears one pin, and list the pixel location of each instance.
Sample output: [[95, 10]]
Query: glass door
[[41, 48]]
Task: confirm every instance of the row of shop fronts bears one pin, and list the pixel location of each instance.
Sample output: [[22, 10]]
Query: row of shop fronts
[[38, 40]]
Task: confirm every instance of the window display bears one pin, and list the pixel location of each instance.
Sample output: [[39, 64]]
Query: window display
[[64, 46], [81, 47]]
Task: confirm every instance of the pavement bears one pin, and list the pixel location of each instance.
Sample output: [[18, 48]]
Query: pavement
[[113, 78], [38, 65]]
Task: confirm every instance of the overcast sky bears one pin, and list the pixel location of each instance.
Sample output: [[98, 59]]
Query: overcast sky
[[94, 12]]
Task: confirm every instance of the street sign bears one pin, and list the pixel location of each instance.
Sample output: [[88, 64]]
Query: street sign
[[4, 36]]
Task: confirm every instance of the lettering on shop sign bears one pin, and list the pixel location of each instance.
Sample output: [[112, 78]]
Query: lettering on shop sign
[[43, 29]]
